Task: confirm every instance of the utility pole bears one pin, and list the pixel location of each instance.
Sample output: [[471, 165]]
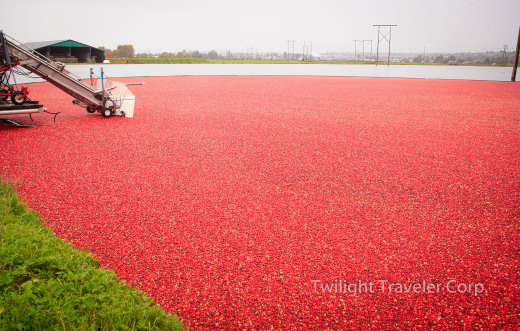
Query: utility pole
[[288, 48], [305, 56], [386, 36], [515, 64], [370, 51], [307, 51], [364, 59], [355, 48], [504, 56]]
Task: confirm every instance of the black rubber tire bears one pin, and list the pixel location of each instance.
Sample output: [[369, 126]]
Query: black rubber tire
[[17, 98], [4, 97], [106, 113], [91, 110]]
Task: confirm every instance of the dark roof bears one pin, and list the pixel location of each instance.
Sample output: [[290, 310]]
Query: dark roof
[[56, 43]]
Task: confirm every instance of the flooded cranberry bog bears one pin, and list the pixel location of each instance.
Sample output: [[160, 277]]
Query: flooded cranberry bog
[[245, 202]]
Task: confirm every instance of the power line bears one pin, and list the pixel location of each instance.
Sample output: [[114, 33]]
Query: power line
[[307, 51], [364, 59], [413, 12], [504, 56], [355, 49], [363, 43], [432, 17], [288, 48], [386, 36]]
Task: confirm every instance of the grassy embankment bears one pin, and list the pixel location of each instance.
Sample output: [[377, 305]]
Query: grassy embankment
[[46, 283], [150, 60], [207, 61], [224, 61], [196, 61]]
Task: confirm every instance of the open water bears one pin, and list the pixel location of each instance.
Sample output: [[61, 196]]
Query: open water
[[340, 70]]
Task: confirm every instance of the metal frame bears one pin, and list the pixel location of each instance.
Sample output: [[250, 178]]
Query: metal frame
[[387, 37]]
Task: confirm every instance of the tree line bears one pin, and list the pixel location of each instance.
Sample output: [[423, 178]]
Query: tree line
[[487, 58], [126, 51]]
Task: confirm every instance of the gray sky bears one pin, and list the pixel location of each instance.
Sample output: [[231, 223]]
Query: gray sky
[[331, 25]]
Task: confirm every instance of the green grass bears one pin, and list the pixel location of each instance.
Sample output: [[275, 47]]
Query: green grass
[[47, 284], [204, 61], [234, 61], [158, 60]]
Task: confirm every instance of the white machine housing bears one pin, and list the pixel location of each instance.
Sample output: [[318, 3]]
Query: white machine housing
[[123, 99]]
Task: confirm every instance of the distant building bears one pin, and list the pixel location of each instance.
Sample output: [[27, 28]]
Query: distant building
[[68, 51]]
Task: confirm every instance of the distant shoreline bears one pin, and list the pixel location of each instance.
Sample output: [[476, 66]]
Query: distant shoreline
[[224, 61], [340, 69]]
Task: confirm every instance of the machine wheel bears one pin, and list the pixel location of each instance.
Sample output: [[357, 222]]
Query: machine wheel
[[91, 110], [17, 98], [3, 97], [106, 112]]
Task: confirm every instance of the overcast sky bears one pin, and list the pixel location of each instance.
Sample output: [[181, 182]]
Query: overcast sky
[[236, 25]]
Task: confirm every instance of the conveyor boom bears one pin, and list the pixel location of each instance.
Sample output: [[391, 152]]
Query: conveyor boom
[[88, 96], [55, 73]]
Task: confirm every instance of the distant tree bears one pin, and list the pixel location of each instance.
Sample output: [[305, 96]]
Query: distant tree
[[126, 51], [439, 59], [166, 55], [213, 54], [196, 54], [417, 59], [108, 52], [144, 55]]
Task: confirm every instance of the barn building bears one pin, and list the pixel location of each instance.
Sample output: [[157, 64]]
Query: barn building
[[68, 51]]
